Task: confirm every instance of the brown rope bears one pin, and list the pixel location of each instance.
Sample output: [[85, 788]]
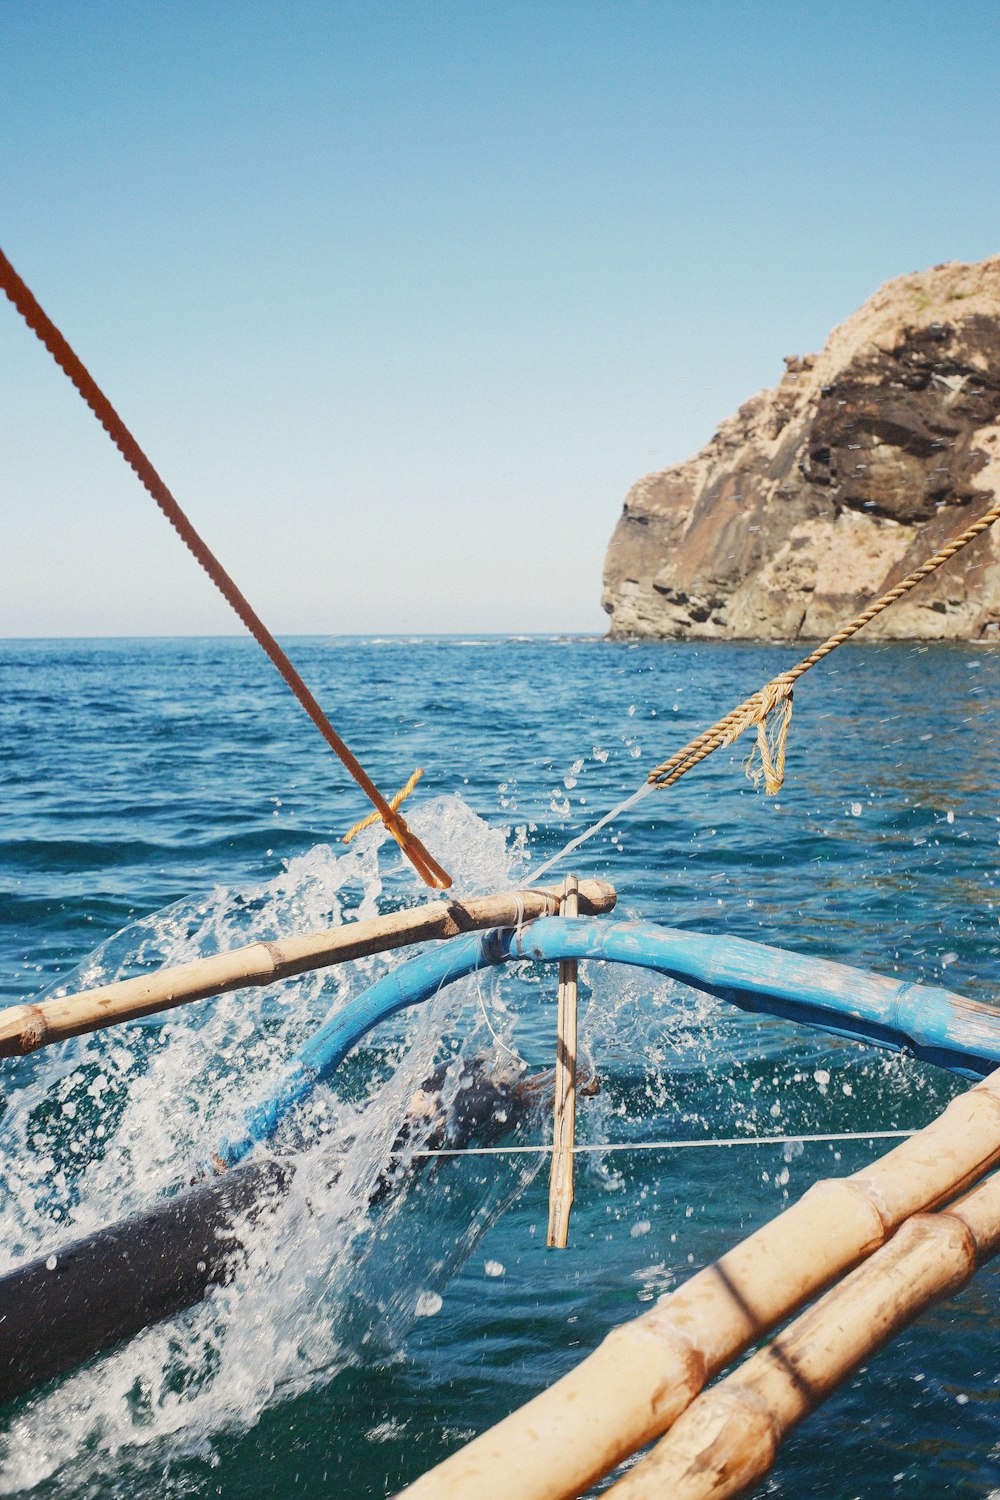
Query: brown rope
[[426, 866], [770, 708]]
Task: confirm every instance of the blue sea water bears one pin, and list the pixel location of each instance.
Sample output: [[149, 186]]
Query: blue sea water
[[164, 799]]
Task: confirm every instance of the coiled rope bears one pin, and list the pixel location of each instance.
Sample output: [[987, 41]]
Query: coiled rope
[[40, 324], [770, 708]]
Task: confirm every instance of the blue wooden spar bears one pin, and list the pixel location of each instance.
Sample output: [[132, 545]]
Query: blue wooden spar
[[67, 1306], [934, 1024]]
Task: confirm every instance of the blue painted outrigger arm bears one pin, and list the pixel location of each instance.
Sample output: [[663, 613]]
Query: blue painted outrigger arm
[[85, 1296], [934, 1024]]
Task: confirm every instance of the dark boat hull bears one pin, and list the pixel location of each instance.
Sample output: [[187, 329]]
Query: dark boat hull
[[87, 1296], [64, 1308]]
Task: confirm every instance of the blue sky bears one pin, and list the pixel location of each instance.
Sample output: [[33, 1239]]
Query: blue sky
[[401, 298]]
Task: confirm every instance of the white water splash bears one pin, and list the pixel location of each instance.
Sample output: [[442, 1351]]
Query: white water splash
[[103, 1125]]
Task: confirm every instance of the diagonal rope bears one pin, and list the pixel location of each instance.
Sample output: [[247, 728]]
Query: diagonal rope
[[770, 708], [41, 325]]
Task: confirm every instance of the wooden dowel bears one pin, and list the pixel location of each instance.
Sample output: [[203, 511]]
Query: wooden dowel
[[729, 1437], [564, 1112], [645, 1373], [25, 1028]]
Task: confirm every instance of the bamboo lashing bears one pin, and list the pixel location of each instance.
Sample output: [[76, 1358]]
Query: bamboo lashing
[[770, 708], [646, 1372], [564, 1107], [729, 1437], [25, 1028], [42, 326]]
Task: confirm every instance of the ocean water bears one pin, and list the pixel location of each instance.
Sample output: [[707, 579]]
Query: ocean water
[[167, 799]]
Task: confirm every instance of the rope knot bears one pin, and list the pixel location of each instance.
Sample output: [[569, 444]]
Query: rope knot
[[424, 863], [770, 710], [396, 826]]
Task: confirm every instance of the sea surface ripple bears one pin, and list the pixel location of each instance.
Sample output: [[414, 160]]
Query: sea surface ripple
[[166, 799]]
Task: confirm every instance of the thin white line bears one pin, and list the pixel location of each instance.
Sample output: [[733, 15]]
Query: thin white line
[[644, 791], [489, 1024], [738, 1140]]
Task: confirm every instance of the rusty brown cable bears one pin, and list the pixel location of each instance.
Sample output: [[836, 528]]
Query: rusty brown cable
[[41, 325]]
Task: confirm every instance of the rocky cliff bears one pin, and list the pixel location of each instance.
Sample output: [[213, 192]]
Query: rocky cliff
[[826, 490]]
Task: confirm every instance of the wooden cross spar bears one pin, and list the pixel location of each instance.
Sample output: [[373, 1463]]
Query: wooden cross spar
[[25, 1028], [564, 1113]]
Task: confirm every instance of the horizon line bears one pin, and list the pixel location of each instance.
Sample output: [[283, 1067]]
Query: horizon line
[[329, 635]]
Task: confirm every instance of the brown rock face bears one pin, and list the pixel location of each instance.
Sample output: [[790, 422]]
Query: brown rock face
[[827, 490]]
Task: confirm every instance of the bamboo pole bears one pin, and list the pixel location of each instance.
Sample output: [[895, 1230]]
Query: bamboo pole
[[646, 1372], [25, 1028], [729, 1438], [564, 1109]]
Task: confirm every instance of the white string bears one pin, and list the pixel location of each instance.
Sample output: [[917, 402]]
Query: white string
[[737, 1140], [644, 791], [482, 1006]]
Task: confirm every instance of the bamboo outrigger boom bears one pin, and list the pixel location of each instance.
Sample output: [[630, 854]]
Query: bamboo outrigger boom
[[647, 1372], [25, 1028], [729, 1438]]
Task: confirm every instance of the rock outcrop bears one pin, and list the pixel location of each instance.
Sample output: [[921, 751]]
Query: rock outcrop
[[828, 489]]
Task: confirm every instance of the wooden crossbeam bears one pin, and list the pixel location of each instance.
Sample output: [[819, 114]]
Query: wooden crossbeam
[[564, 1117], [24, 1028]]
